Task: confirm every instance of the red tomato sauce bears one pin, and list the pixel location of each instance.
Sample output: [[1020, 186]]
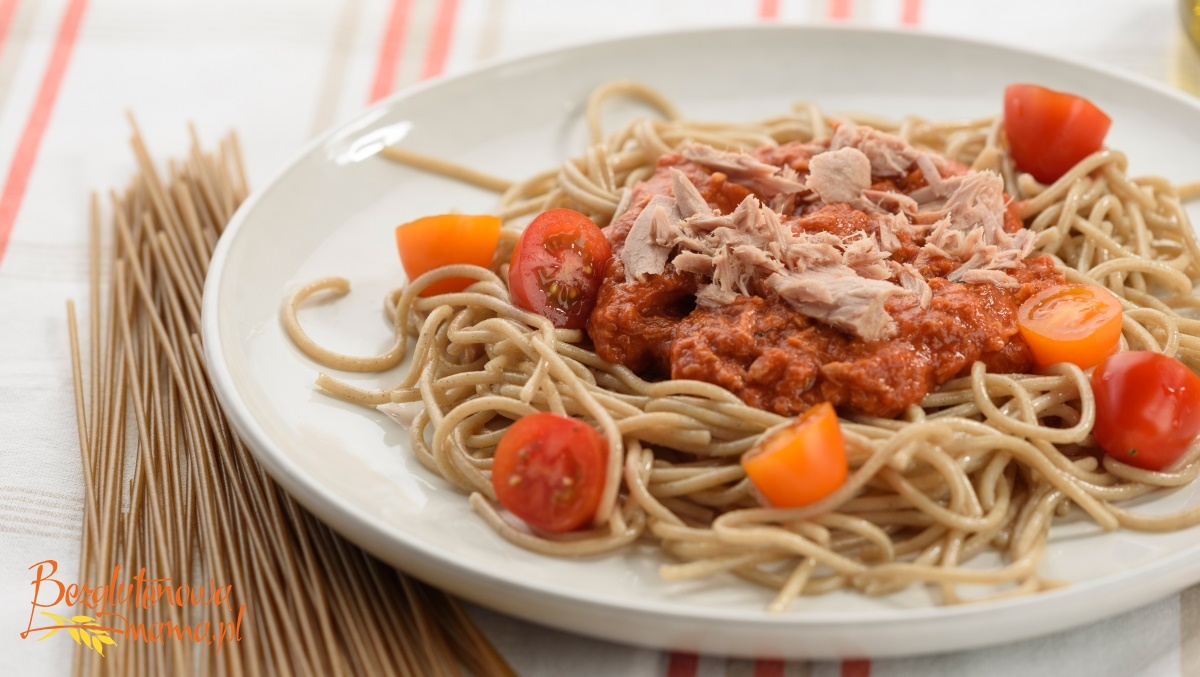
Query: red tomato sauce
[[777, 359]]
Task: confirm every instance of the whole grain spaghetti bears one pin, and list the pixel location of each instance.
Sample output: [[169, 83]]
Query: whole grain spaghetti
[[984, 463], [172, 490]]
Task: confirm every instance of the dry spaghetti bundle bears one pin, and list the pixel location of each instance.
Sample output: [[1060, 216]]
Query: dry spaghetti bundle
[[171, 489], [984, 464]]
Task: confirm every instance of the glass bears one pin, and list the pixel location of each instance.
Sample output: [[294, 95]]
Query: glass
[[1183, 61], [1189, 14]]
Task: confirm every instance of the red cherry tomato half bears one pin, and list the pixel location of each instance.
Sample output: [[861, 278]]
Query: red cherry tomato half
[[557, 267], [1049, 132], [1147, 408], [549, 470]]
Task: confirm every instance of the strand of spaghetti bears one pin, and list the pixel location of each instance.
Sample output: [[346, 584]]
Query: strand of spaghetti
[[997, 418], [91, 541], [638, 464], [782, 539], [900, 571], [872, 533], [337, 286], [624, 88], [1171, 279], [579, 547], [616, 457], [708, 479], [795, 584], [1063, 185], [441, 433], [444, 168], [945, 516], [703, 568], [1186, 475]]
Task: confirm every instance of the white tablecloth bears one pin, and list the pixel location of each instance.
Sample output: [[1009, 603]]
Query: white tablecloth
[[279, 72]]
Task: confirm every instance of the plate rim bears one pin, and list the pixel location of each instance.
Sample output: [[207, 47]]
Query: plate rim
[[357, 527]]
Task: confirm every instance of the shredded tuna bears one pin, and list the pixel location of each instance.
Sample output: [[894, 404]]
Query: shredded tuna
[[971, 229], [646, 246], [784, 203], [864, 257], [713, 296], [889, 240], [819, 274], [688, 198], [839, 175], [952, 227], [996, 277], [764, 178], [912, 280], [693, 262], [890, 201], [834, 294], [890, 156], [933, 176]]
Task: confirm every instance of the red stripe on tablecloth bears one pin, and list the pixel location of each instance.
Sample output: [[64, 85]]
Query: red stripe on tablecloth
[[839, 9], [910, 13], [439, 42], [768, 667], [768, 9], [35, 127], [389, 50], [682, 664], [7, 9], [856, 667]]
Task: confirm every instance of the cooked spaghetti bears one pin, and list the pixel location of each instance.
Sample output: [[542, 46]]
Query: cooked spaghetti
[[985, 462]]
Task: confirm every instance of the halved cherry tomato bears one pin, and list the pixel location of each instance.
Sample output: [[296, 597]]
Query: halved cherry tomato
[[1076, 323], [802, 463], [435, 241], [1049, 132], [1147, 408], [557, 267], [549, 470]]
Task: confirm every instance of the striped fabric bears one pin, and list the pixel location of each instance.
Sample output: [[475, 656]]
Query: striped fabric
[[279, 72]]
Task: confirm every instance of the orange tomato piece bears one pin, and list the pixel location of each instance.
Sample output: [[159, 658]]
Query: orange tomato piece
[[1076, 323], [435, 241], [801, 463]]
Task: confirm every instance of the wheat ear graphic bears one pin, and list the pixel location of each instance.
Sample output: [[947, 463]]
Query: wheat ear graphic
[[83, 629]]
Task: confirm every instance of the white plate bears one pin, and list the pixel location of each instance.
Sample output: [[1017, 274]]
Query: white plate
[[331, 212]]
